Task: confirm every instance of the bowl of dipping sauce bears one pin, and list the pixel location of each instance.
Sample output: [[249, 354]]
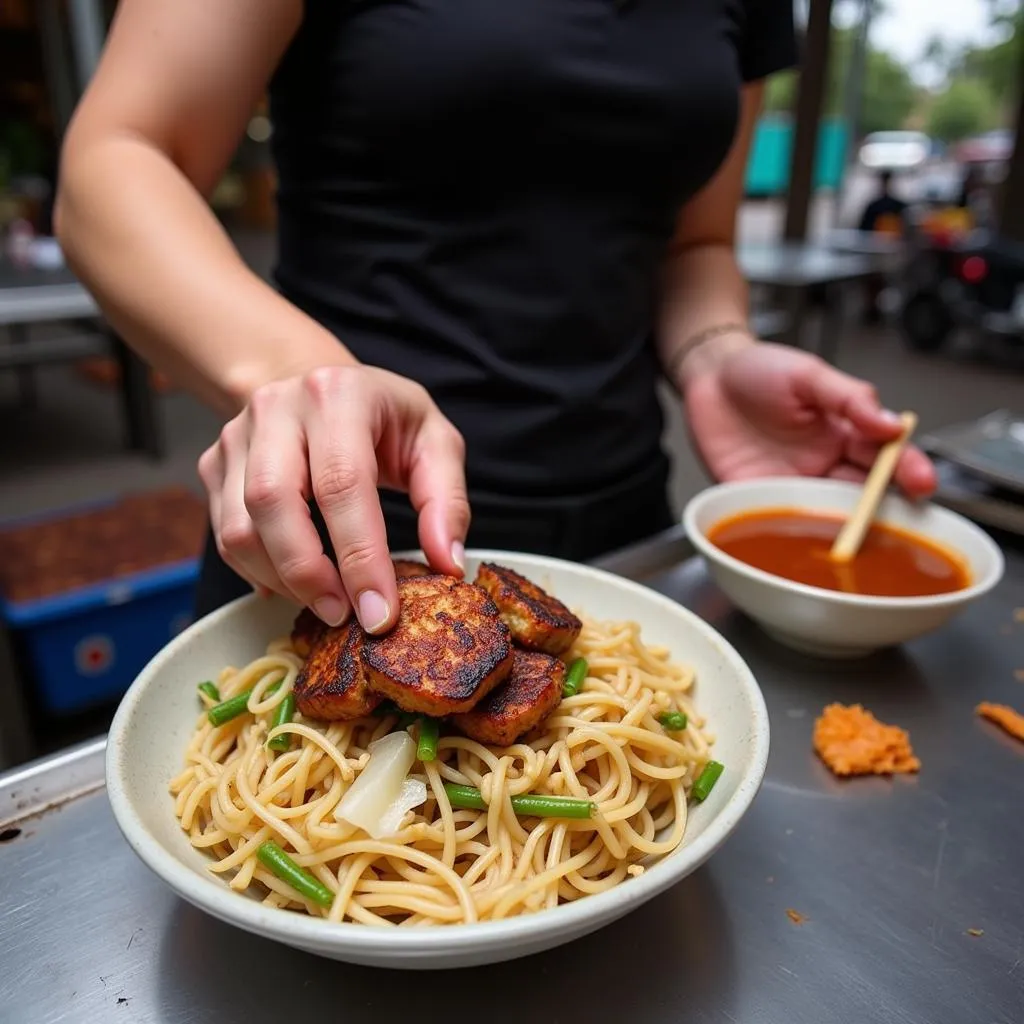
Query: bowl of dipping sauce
[[767, 542]]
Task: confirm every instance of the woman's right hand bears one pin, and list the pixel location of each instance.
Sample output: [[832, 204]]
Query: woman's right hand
[[335, 434]]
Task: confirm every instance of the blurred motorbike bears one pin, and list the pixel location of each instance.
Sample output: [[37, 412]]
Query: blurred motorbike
[[957, 276]]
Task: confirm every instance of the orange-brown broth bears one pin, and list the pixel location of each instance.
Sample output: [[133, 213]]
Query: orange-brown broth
[[795, 544]]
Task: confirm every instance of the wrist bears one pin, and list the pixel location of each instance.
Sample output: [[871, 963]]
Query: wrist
[[243, 379], [706, 352]]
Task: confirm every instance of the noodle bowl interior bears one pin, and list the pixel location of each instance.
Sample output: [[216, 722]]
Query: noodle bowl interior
[[624, 753]]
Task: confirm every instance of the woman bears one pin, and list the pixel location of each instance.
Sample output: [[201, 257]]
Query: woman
[[499, 224]]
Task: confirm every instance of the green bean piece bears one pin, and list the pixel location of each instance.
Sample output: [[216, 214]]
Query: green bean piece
[[223, 712], [283, 714], [234, 706], [574, 677], [673, 721], [426, 746], [707, 779], [209, 690], [464, 798], [528, 805], [531, 805], [273, 857]]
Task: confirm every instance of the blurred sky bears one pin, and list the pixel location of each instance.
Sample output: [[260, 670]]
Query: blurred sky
[[908, 24]]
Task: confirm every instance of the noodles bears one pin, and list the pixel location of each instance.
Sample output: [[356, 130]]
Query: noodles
[[448, 865]]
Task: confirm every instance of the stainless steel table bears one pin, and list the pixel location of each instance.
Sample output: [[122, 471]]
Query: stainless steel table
[[891, 875], [797, 269], [30, 297], [865, 243]]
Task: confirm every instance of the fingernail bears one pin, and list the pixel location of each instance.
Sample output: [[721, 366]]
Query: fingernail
[[373, 610], [330, 610], [892, 418], [459, 554]]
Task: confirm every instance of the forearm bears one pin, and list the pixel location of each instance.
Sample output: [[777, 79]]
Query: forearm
[[170, 281], [704, 310]]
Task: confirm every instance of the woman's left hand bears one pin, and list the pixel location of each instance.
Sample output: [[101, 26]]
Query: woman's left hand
[[760, 409]]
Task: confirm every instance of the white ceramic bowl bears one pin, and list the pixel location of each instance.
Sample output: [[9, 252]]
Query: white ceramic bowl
[[825, 622], [153, 724]]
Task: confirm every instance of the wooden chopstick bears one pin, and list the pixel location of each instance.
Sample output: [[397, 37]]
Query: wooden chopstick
[[851, 536]]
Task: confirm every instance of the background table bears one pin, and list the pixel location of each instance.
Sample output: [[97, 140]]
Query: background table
[[31, 298], [891, 875], [797, 269], [865, 243]]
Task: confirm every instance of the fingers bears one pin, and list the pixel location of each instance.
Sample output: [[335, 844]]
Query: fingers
[[211, 472], [831, 391], [275, 485], [339, 426], [238, 540], [437, 489], [320, 435], [915, 474], [846, 471], [869, 426]]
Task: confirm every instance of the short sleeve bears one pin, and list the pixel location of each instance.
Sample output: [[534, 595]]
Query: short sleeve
[[768, 41]]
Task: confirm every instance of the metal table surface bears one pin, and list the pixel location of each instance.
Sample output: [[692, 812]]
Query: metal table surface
[[796, 269], [28, 296], [864, 243], [891, 875], [795, 265]]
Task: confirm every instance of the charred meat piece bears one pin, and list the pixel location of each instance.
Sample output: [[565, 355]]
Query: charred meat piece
[[332, 685], [405, 567], [306, 631], [521, 703], [537, 620], [448, 650]]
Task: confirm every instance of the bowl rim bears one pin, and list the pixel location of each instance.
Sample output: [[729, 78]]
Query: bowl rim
[[715, 554], [210, 893]]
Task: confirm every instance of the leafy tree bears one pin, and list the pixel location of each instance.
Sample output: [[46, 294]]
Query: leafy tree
[[780, 92], [889, 92], [966, 107], [999, 66]]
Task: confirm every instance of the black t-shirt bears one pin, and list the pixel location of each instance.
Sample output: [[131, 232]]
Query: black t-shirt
[[478, 194]]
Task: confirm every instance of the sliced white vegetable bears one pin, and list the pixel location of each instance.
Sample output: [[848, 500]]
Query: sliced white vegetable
[[414, 793], [379, 785]]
